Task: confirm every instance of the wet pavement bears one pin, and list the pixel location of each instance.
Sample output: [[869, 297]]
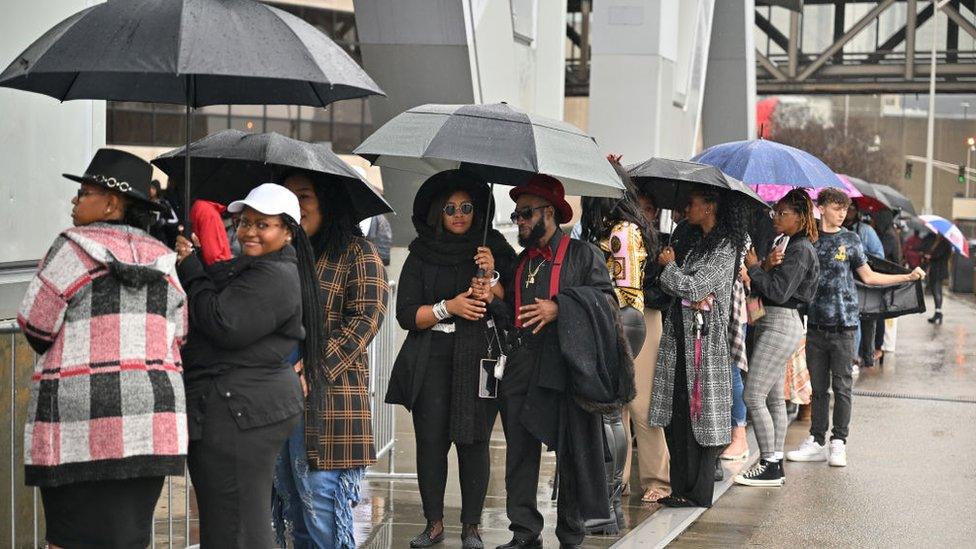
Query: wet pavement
[[911, 474], [911, 478]]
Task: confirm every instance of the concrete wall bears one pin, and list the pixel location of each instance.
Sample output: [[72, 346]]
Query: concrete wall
[[730, 87], [459, 51], [40, 139]]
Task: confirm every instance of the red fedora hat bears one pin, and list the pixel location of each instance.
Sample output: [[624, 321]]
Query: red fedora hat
[[548, 188]]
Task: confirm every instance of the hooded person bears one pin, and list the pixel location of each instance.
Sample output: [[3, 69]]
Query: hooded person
[[437, 372], [107, 415], [566, 366]]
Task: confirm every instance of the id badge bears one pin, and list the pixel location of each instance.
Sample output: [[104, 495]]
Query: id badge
[[487, 383]]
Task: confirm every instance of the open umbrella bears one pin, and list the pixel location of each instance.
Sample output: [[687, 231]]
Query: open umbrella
[[760, 162], [870, 199], [895, 198], [498, 142], [228, 164], [948, 230], [189, 52], [669, 181]]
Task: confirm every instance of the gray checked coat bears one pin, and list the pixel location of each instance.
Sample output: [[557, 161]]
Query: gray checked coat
[[711, 274]]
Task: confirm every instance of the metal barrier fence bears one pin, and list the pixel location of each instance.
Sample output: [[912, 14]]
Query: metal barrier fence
[[172, 525]]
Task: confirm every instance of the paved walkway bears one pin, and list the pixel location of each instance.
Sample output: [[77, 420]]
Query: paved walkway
[[911, 479]]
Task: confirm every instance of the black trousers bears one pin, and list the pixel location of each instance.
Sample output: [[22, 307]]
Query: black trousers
[[692, 465], [232, 471], [431, 424], [866, 348], [523, 453], [102, 514]]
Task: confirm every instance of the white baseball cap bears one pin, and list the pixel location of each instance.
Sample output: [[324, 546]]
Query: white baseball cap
[[269, 199]]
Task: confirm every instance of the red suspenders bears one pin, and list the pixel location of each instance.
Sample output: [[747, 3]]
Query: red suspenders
[[557, 267]]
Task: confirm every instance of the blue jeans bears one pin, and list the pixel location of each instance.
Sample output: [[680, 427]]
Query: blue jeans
[[315, 507], [738, 403]]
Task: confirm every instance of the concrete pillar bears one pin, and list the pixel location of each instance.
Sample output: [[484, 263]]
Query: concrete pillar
[[458, 51], [730, 87], [647, 74]]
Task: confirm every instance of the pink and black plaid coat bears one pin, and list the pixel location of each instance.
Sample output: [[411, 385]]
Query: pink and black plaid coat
[[107, 314]]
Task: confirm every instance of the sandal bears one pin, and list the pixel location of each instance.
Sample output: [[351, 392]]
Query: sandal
[[653, 495], [737, 457]]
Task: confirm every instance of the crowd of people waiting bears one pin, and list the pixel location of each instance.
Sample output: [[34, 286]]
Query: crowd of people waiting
[[249, 364]]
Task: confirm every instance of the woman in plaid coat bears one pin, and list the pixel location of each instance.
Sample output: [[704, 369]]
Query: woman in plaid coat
[[107, 416], [318, 474]]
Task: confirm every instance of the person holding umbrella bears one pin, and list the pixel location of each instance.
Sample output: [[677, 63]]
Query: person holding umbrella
[[106, 314], [692, 396], [247, 317], [320, 467], [936, 259], [436, 374]]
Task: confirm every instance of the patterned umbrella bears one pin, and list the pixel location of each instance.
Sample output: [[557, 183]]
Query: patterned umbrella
[[948, 230]]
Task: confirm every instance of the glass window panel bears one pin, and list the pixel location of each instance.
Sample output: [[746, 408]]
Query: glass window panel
[[170, 127], [346, 137], [315, 132], [131, 128], [250, 125], [349, 112]]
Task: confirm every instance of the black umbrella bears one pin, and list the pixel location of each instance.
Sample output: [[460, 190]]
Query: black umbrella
[[228, 164], [896, 199], [670, 181], [872, 198], [189, 52]]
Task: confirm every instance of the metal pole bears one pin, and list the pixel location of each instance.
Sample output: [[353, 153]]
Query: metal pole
[[13, 430], [930, 137], [969, 151], [186, 154]]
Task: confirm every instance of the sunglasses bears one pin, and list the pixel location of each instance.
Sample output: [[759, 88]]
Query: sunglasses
[[525, 214], [467, 208]]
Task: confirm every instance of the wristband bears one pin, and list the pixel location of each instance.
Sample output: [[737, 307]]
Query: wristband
[[440, 310], [494, 278]]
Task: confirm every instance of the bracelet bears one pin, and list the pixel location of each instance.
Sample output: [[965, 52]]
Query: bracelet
[[494, 278], [440, 310]]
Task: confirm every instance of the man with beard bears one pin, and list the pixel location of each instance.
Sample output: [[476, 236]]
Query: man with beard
[[534, 393]]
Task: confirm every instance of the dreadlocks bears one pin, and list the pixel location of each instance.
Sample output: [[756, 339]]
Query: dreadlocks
[[732, 218], [799, 201]]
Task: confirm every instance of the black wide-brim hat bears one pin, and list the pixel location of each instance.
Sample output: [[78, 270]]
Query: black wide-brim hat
[[122, 172], [441, 182]]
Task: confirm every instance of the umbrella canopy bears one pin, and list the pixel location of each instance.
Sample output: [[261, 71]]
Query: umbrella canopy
[[895, 198], [190, 52], [670, 181], [949, 230], [498, 142], [762, 162], [870, 199], [228, 164], [772, 193]]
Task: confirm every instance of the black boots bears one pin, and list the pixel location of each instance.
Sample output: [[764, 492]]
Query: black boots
[[615, 441], [936, 318]]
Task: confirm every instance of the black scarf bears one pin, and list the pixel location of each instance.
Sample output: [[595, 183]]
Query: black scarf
[[468, 415]]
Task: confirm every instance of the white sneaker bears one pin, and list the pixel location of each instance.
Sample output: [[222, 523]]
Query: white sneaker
[[808, 451], [838, 454]]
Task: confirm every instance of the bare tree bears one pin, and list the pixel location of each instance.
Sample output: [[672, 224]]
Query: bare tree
[[853, 150]]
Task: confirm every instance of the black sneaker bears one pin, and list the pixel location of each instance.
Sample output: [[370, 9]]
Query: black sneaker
[[764, 473]]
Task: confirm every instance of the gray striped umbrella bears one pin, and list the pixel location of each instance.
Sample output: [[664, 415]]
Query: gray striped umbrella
[[499, 142]]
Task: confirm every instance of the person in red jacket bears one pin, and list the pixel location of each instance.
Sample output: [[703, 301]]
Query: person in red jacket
[[208, 225]]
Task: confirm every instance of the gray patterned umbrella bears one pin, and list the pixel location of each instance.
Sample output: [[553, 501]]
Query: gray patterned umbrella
[[499, 142]]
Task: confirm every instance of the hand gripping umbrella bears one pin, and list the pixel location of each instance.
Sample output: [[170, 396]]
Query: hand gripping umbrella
[[189, 52], [228, 164], [498, 142]]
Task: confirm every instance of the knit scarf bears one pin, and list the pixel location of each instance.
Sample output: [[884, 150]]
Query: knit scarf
[[468, 421]]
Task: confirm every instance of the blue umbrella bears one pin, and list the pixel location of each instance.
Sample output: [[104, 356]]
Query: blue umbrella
[[760, 162]]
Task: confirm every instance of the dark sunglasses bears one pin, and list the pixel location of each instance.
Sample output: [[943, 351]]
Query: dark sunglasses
[[525, 213], [467, 208]]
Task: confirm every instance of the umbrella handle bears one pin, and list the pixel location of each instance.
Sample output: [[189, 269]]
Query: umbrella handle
[[484, 237], [187, 230]]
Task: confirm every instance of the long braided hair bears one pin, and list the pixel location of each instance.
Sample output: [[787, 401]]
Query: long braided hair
[[338, 228], [799, 201], [311, 302]]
